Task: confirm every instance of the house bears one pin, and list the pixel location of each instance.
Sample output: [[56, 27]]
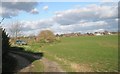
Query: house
[[114, 33], [98, 33]]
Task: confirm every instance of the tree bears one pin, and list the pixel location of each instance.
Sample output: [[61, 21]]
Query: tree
[[5, 42], [1, 20], [15, 29], [46, 36]]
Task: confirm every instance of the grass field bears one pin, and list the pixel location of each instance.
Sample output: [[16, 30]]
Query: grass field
[[88, 53]]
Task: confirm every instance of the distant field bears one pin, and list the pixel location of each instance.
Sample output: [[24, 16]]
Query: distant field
[[88, 53], [91, 53]]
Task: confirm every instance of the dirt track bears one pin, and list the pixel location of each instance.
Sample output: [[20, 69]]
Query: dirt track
[[51, 66], [24, 65], [21, 63]]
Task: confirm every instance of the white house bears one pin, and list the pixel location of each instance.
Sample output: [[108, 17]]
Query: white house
[[98, 33]]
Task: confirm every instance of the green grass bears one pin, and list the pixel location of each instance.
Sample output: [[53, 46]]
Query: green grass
[[99, 52], [37, 66]]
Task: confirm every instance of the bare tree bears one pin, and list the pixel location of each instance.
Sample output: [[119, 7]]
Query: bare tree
[[15, 29], [1, 23], [1, 20]]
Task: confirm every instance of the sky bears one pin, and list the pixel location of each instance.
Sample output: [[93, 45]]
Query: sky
[[60, 17]]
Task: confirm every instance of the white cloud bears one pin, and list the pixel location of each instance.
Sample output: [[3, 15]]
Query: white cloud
[[83, 19], [45, 8], [39, 24], [10, 9], [109, 0], [98, 23], [91, 12], [33, 27], [117, 19], [19, 0], [34, 11], [99, 30], [83, 26]]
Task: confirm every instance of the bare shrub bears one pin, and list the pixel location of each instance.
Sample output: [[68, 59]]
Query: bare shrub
[[46, 36]]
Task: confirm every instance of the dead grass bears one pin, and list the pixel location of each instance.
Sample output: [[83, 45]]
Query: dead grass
[[76, 67]]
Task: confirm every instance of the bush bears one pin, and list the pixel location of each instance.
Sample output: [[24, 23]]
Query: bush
[[46, 36]]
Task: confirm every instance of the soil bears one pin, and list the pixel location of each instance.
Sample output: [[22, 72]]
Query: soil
[[51, 66]]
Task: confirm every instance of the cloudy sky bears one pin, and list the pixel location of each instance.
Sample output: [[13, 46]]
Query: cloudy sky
[[61, 17]]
